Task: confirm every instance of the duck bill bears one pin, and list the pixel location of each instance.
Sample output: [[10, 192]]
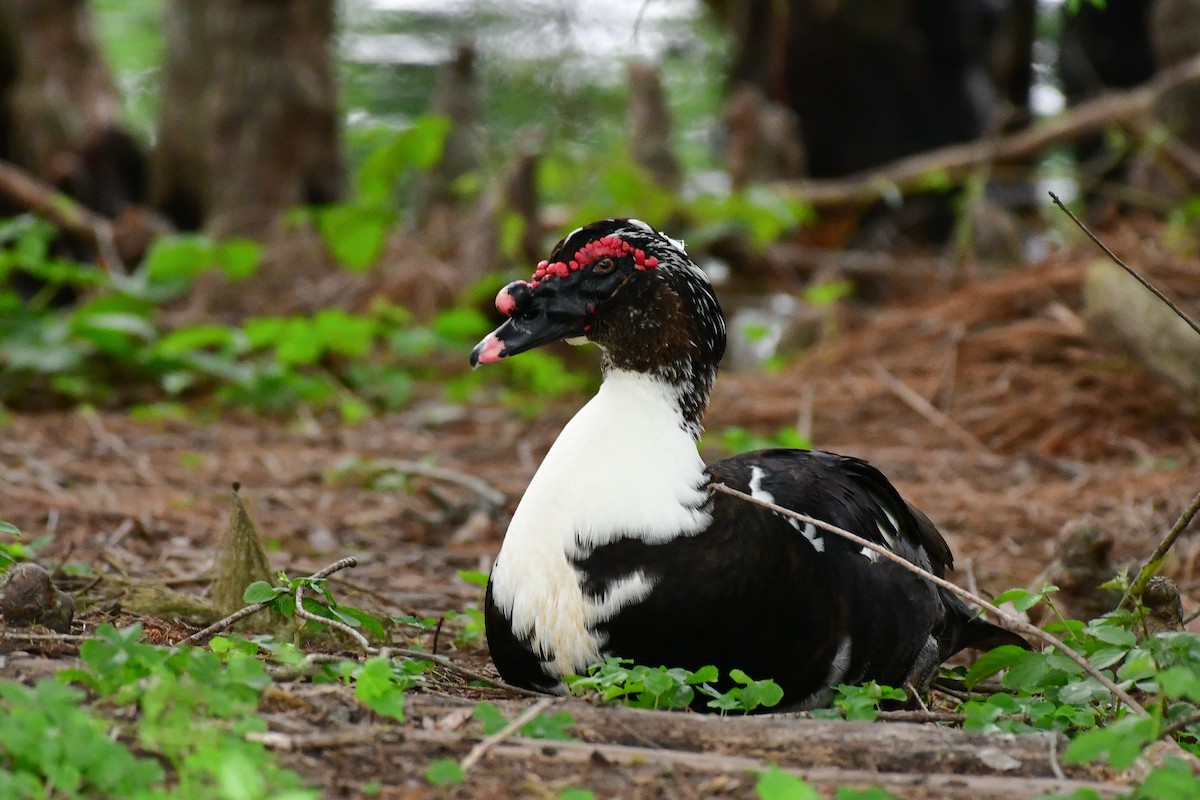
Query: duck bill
[[517, 336]]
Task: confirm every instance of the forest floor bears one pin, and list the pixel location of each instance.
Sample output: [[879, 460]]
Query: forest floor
[[1045, 428]]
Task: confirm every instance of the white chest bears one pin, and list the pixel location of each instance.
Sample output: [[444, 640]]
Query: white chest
[[622, 467]]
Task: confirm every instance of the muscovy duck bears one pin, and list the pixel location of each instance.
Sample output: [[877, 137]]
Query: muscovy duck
[[619, 548]]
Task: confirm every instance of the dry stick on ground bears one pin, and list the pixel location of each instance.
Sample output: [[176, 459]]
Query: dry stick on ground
[[77, 221], [337, 566], [225, 623], [923, 407], [478, 751], [910, 173], [477, 485], [1136, 275], [1008, 620]]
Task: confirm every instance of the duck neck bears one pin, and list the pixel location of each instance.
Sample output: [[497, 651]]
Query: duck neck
[[679, 384]]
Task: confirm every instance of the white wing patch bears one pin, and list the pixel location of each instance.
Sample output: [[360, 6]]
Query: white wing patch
[[621, 593], [758, 493]]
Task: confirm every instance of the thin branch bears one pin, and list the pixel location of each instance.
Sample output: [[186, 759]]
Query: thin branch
[[241, 613], [69, 216], [29, 636], [1179, 312], [1156, 558], [477, 485], [465, 672], [923, 407], [1176, 725], [478, 751], [956, 161], [223, 623], [1008, 620], [350, 561]]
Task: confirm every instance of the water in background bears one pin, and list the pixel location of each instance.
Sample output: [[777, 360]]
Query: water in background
[[558, 63]]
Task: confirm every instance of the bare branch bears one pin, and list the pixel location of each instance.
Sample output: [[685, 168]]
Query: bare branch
[[1124, 108], [1156, 558], [478, 751], [64, 213], [923, 407], [1137, 275]]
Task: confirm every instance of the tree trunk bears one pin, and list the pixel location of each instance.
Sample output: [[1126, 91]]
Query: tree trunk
[[871, 80], [249, 126], [59, 106]]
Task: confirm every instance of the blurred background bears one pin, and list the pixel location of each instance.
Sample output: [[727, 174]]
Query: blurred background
[[263, 205]]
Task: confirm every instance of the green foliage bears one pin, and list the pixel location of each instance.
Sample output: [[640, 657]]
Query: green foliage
[[863, 702], [51, 746], [195, 708], [553, 726], [618, 679], [109, 348], [11, 552], [317, 600], [380, 685], [444, 772], [735, 439]]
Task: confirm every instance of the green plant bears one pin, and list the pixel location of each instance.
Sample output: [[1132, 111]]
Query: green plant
[[50, 745], [11, 552], [863, 702], [670, 688], [775, 784], [195, 708], [735, 439], [544, 726], [444, 772], [318, 600]]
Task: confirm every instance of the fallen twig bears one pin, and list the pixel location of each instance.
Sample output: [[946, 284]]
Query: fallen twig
[[477, 485], [1156, 558], [337, 566], [956, 161], [241, 613], [478, 751], [1136, 275], [1008, 620], [223, 623], [927, 410], [23, 635], [73, 219]]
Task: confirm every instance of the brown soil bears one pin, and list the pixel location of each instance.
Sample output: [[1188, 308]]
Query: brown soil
[[1044, 428]]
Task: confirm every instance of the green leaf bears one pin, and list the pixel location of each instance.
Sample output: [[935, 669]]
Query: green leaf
[[869, 793], [991, 662], [706, 674], [775, 784], [1121, 742], [375, 686], [8, 529], [489, 717], [260, 592], [238, 258], [355, 234], [550, 726], [444, 772], [474, 577], [576, 794], [1180, 681], [1022, 599]]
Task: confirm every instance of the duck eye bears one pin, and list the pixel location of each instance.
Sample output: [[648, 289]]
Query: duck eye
[[604, 266]]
